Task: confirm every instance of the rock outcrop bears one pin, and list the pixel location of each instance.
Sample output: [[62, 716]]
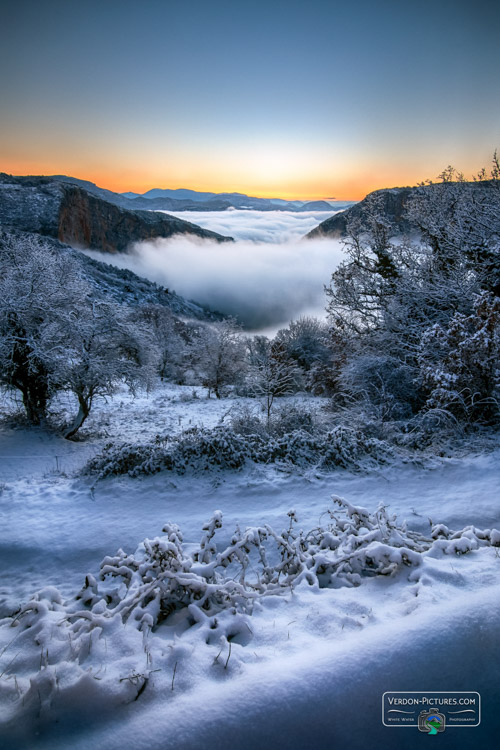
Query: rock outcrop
[[391, 203], [82, 219]]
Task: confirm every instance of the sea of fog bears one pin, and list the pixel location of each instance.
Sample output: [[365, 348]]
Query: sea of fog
[[267, 277]]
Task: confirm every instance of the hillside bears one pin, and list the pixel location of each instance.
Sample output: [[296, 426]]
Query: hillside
[[392, 204], [121, 285], [75, 216]]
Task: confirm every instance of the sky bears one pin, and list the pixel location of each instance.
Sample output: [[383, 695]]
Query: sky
[[276, 98]]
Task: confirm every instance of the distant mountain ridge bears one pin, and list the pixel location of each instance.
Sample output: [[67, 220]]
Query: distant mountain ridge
[[209, 201], [184, 199]]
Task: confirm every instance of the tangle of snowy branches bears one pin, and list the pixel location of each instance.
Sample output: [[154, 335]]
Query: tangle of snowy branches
[[202, 449], [141, 604]]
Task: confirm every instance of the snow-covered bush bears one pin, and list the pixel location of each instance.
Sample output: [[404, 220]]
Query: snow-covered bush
[[195, 449], [128, 622], [293, 417], [285, 419], [246, 421], [200, 449], [348, 448], [460, 363], [386, 387]]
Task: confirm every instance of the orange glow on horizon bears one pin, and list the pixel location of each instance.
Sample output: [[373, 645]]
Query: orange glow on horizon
[[352, 187]]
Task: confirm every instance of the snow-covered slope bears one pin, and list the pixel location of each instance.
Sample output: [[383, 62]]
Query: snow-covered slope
[[124, 286]]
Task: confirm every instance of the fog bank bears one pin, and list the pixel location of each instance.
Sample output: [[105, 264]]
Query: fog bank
[[264, 283], [276, 227]]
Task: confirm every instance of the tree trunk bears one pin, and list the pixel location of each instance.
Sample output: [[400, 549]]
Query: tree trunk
[[35, 403], [83, 412]]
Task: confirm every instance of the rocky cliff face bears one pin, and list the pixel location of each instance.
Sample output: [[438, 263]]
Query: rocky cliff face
[[391, 203], [81, 219], [85, 220]]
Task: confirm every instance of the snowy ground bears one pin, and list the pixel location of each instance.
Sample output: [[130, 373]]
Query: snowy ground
[[307, 668]]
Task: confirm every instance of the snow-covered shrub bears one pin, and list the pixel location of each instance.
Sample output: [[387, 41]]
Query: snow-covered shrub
[[128, 621], [347, 447], [186, 397], [201, 449], [385, 386], [132, 459], [293, 417], [460, 362], [284, 420], [195, 449]]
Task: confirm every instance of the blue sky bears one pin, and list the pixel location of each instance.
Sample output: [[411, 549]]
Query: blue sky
[[320, 99]]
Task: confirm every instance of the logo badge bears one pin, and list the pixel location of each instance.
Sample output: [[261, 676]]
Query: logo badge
[[431, 722]]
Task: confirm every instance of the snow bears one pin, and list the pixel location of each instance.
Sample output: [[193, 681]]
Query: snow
[[307, 668]]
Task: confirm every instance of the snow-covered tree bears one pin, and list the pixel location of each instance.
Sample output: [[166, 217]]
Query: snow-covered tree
[[98, 348], [392, 289], [461, 219], [308, 342], [218, 353], [39, 287], [57, 333], [169, 337], [272, 372]]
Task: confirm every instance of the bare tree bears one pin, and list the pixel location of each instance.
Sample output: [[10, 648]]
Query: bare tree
[[272, 372], [219, 355]]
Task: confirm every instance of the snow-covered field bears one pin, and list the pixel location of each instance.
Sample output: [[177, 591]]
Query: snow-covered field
[[306, 669]]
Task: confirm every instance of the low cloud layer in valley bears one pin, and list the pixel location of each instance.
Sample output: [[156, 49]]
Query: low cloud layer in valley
[[276, 227], [267, 277]]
